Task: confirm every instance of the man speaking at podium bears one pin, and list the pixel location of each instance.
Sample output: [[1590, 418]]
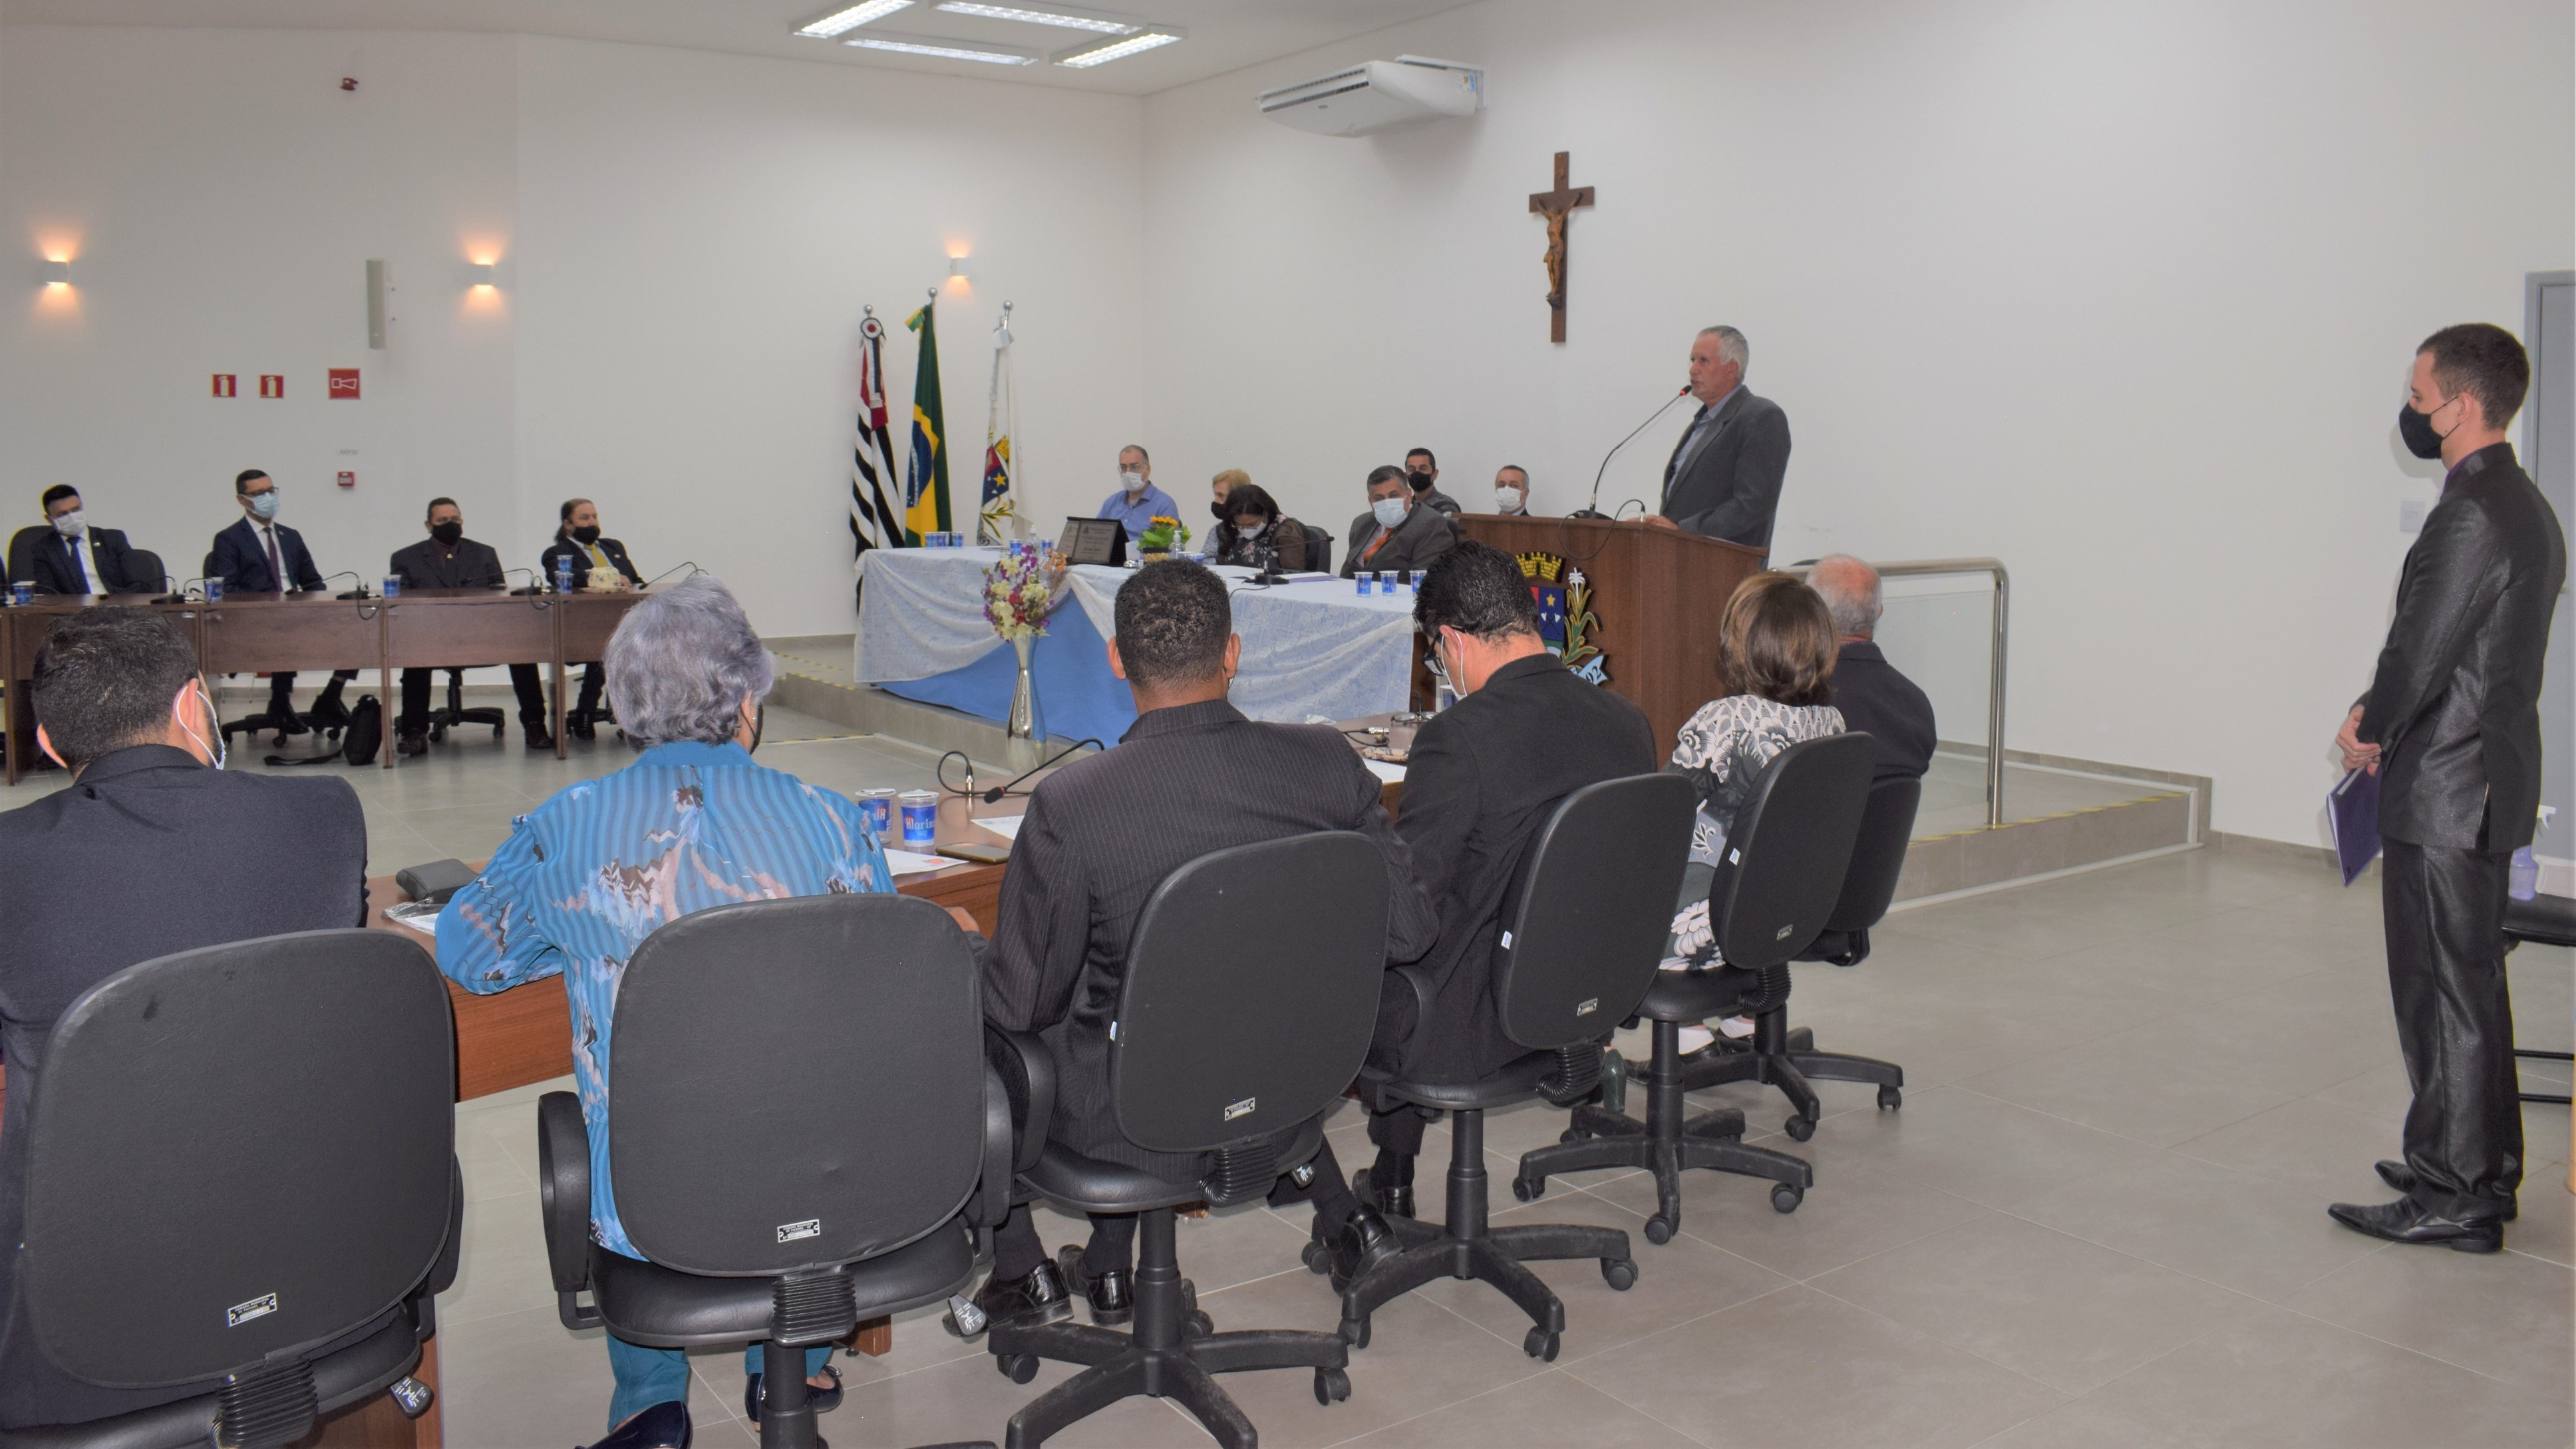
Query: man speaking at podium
[[1724, 477]]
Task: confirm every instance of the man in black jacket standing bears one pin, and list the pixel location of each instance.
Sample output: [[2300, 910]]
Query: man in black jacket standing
[[1723, 480], [1482, 777], [146, 852], [2452, 728], [447, 559]]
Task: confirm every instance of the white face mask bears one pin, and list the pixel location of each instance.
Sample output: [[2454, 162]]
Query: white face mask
[[1389, 511], [1250, 528], [219, 748], [1508, 499], [69, 525], [1132, 482]]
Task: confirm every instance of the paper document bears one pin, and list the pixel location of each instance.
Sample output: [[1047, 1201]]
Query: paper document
[[1005, 826], [906, 862], [2352, 812], [1392, 774], [421, 916]]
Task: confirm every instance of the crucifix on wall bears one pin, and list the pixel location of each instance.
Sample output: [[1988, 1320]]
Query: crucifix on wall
[[1558, 207]]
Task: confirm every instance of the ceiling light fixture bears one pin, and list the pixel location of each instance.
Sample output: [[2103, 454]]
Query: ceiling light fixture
[[1116, 47], [827, 26], [944, 49], [1062, 19]]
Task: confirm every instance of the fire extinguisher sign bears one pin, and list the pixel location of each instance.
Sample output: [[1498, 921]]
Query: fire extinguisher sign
[[223, 384]]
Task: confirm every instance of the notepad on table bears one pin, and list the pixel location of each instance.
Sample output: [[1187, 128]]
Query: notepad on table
[[906, 862], [1005, 826]]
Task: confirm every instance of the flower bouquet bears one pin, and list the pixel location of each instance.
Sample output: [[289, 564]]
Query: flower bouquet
[[1162, 537], [1018, 596]]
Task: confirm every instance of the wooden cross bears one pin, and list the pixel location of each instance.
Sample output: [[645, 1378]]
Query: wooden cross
[[1557, 206]]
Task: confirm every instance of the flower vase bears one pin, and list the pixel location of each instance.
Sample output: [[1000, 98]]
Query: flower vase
[[1024, 695]]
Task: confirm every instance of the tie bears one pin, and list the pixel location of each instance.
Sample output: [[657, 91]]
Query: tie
[[1683, 450], [276, 570]]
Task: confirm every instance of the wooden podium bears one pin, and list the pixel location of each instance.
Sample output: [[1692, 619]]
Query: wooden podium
[[1658, 593]]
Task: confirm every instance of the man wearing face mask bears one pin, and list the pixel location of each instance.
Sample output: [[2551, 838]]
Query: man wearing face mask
[[70, 556], [259, 555], [2452, 728], [1422, 475], [447, 559], [1511, 491], [1137, 503], [1482, 778], [1397, 533], [147, 852]]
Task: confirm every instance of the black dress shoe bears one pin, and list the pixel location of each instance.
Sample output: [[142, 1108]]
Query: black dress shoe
[[1364, 1242], [540, 738], [1395, 1199], [1026, 1302], [577, 724], [2401, 1177], [2405, 1221], [821, 1401], [328, 713], [282, 715], [412, 745], [663, 1426], [1112, 1295]]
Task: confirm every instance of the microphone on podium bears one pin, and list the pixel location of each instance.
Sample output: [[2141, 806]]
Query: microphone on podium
[[1593, 508]]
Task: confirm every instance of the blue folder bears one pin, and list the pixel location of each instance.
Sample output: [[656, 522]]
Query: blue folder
[[2352, 809]]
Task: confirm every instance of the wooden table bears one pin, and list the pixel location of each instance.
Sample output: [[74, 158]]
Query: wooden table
[[272, 633]]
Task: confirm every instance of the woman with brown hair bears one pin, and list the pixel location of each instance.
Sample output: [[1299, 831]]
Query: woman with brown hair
[[1256, 534], [1775, 656]]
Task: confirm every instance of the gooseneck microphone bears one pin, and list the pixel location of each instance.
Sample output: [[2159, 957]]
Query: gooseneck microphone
[[693, 569], [360, 592], [1593, 508]]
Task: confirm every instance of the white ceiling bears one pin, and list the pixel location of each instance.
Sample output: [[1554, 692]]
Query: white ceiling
[[1224, 35]]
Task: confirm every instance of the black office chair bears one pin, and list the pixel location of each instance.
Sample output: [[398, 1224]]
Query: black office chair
[[1784, 868], [799, 1122], [254, 723], [143, 568], [1319, 549], [456, 715], [2551, 921], [1233, 1038], [241, 1173], [1584, 926]]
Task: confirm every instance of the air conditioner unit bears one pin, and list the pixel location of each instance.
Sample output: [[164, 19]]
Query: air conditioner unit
[[1378, 95]]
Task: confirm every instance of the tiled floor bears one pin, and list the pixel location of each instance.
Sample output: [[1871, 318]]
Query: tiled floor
[[2099, 1220]]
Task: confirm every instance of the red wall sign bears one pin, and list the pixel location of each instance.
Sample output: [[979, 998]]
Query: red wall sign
[[344, 382], [348, 480], [272, 384], [223, 384]]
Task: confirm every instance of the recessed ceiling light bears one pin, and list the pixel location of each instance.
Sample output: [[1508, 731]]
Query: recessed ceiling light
[[943, 49], [1107, 49], [1063, 19], [827, 26]]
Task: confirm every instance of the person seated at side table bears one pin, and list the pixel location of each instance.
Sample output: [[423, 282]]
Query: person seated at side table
[[147, 852], [1137, 503], [1873, 697], [587, 875], [1511, 491], [71, 555], [1258, 535], [597, 563], [1219, 487], [259, 555], [447, 559], [1397, 533]]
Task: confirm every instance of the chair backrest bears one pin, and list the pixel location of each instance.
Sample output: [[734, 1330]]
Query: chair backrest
[[1878, 855], [1319, 548], [1789, 849], [238, 1154], [1230, 1028], [144, 566], [795, 1084], [1588, 917]]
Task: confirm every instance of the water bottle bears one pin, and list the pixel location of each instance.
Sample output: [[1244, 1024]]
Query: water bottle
[[563, 573], [2522, 880]]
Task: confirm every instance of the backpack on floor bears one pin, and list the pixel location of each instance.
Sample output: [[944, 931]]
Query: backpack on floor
[[365, 732]]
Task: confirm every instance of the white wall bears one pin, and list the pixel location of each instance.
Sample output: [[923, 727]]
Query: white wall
[[2123, 293], [685, 242]]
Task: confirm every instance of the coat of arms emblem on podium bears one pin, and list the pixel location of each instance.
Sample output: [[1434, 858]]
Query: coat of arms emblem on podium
[[1565, 617]]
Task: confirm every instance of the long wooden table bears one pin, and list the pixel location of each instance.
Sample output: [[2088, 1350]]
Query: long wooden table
[[271, 633]]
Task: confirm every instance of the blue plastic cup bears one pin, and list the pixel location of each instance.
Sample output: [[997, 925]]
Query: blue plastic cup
[[393, 586], [920, 818], [878, 807], [214, 591]]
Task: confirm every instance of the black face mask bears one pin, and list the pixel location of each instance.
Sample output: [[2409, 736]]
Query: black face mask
[[2415, 430], [447, 533], [1217, 511], [1420, 482], [586, 535]]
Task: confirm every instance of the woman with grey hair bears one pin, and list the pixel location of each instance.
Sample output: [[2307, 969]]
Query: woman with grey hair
[[585, 877]]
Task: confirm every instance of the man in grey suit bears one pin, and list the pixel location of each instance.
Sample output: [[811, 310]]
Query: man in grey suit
[[1724, 477]]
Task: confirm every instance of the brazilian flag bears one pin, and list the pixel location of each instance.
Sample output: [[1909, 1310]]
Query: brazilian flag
[[926, 486]]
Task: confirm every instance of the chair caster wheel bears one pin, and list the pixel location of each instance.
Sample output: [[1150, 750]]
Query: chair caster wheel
[[1659, 1230], [1785, 1197], [1197, 1325], [1573, 1134], [1891, 1098], [1355, 1332], [1800, 1128], [1317, 1258], [1619, 1273], [1540, 1345], [1019, 1368], [1331, 1386], [1527, 1189]]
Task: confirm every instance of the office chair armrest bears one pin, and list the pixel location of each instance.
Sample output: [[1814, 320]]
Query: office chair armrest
[[992, 1200], [442, 1274], [1420, 981], [1024, 1057], [563, 1196]]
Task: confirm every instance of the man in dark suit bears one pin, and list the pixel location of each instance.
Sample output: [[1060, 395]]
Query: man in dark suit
[[1724, 477], [1422, 475], [447, 559], [2452, 728], [1482, 778], [1098, 837], [1398, 532], [1873, 697], [145, 853], [70, 555], [259, 555]]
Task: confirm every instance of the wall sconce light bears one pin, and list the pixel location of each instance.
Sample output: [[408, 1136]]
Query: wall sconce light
[[57, 273], [957, 268], [486, 274]]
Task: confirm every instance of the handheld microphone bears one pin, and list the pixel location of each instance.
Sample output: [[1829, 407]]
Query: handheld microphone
[[1593, 508], [693, 569]]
